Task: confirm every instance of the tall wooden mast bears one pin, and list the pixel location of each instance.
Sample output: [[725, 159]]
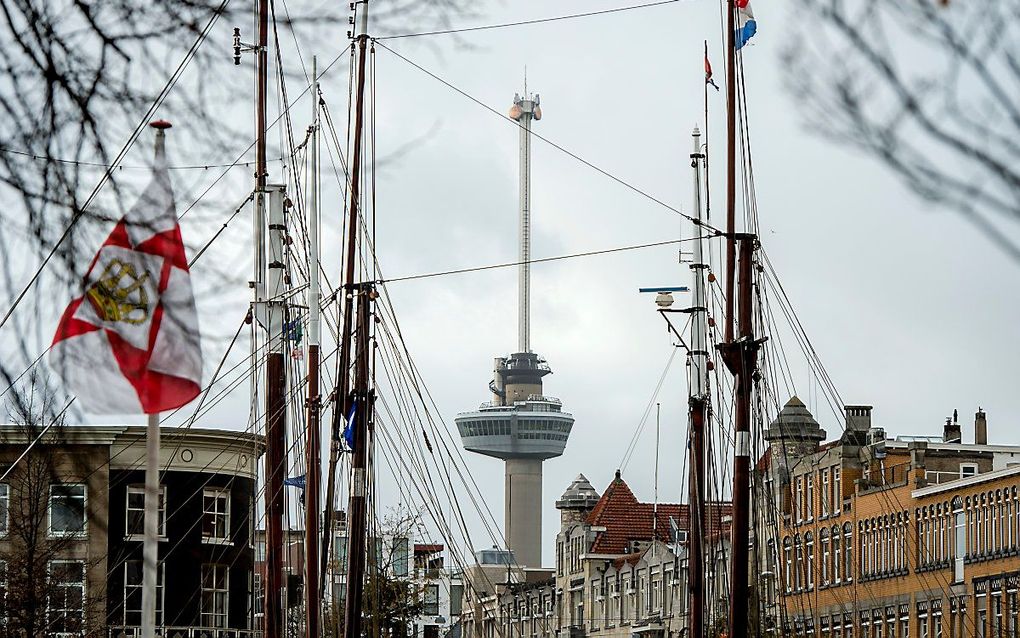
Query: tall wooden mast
[[739, 352], [268, 280], [741, 357], [357, 403], [313, 603]]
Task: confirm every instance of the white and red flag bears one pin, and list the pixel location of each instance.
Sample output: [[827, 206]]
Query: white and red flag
[[131, 343]]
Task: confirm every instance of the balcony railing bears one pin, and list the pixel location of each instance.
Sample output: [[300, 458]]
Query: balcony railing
[[131, 631]]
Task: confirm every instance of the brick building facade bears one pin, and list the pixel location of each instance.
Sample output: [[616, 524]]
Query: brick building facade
[[870, 537]]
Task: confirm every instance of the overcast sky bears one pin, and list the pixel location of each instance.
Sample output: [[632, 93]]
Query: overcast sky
[[908, 306]]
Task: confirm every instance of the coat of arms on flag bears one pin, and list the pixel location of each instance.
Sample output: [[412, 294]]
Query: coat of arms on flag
[[130, 343]]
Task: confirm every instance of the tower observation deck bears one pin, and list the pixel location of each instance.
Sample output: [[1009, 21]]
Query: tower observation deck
[[520, 425]]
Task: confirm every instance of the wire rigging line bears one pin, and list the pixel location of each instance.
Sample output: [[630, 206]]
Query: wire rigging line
[[558, 147], [648, 410], [520, 23], [184, 167], [510, 264]]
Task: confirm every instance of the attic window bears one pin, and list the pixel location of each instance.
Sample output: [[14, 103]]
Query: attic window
[[968, 469]]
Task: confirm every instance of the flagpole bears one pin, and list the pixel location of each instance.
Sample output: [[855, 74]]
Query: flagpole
[[150, 543], [150, 546]]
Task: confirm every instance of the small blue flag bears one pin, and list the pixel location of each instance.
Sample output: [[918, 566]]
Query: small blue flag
[[295, 481], [349, 428]]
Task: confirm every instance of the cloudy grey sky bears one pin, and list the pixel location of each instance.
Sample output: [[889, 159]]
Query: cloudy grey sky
[[908, 306]]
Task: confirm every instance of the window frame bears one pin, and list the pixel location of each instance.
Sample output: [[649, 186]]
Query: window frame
[[5, 509], [83, 533], [160, 593], [51, 587], [161, 516], [224, 591], [425, 602], [216, 493]]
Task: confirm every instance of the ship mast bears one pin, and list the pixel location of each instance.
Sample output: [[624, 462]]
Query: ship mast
[[269, 312], [312, 437], [740, 354], [353, 408], [697, 410]]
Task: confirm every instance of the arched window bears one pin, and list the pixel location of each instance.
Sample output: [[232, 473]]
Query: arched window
[[903, 540], [1000, 503], [862, 542], [959, 539], [823, 539], [809, 550], [969, 506], [798, 566], [837, 556], [788, 561], [848, 553], [897, 525], [918, 535]]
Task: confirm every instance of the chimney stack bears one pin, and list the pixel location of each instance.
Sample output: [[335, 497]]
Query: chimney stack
[[952, 432], [858, 418], [980, 428]]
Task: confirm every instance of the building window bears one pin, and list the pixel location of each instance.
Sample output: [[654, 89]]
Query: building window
[[67, 509], [826, 555], [133, 593], [826, 489], [968, 469], [259, 596], [798, 566], [65, 601], [136, 511], [809, 549], [799, 501], [996, 613], [922, 620], [215, 595], [848, 554], [4, 616], [431, 601], [959, 539], [456, 600], [837, 555], [400, 547], [215, 516], [5, 506], [810, 491], [340, 552], [837, 491]]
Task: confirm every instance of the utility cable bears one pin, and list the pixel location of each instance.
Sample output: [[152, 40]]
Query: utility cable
[[520, 23]]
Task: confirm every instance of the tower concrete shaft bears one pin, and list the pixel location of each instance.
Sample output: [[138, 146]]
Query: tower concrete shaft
[[523, 510]]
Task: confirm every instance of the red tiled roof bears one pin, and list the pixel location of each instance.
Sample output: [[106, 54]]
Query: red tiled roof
[[627, 519], [427, 549]]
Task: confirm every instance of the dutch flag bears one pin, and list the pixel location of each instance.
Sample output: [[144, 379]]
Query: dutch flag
[[746, 25]]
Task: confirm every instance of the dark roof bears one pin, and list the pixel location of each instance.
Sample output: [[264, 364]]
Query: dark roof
[[627, 519]]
